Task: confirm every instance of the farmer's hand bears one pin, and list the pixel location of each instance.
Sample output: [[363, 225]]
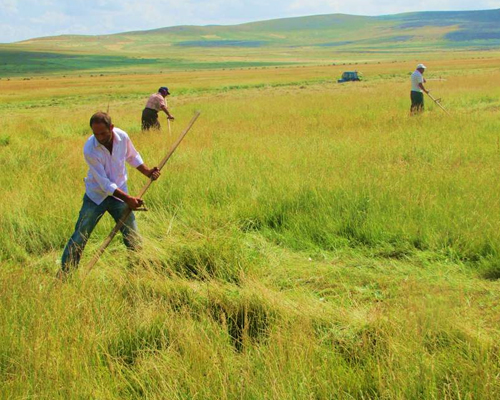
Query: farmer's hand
[[154, 173], [134, 202], [171, 117]]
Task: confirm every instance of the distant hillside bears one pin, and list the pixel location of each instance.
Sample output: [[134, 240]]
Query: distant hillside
[[274, 42], [447, 28]]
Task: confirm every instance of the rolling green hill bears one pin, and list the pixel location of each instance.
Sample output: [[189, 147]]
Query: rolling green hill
[[302, 40]]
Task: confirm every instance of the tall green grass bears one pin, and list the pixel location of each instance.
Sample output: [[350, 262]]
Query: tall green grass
[[313, 242]]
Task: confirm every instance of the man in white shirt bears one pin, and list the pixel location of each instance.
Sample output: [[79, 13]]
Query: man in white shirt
[[105, 153], [418, 89], [157, 102]]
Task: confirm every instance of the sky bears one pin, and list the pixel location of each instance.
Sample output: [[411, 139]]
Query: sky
[[25, 19]]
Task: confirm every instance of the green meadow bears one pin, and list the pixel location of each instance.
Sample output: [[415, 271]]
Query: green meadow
[[313, 40], [308, 240]]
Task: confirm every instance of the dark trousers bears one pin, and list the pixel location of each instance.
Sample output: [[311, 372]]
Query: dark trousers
[[90, 214], [417, 102], [150, 119]]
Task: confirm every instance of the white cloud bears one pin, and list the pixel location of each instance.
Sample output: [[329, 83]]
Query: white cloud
[[320, 5], [12, 33], [51, 17], [493, 4], [8, 6]]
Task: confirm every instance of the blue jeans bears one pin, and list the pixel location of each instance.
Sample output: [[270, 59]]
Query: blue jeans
[[90, 214]]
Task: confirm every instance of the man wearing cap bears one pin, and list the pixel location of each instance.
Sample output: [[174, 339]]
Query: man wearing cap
[[418, 89], [105, 153], [156, 102]]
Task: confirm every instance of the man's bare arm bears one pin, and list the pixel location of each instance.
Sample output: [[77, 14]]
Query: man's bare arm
[[133, 202], [421, 86], [165, 109], [153, 173]]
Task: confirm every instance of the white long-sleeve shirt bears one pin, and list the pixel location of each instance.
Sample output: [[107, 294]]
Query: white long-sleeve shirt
[[107, 172]]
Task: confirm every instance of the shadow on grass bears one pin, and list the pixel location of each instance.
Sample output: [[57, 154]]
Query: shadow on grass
[[127, 345], [491, 273]]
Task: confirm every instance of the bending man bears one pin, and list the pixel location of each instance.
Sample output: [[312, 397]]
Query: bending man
[[105, 153], [157, 102]]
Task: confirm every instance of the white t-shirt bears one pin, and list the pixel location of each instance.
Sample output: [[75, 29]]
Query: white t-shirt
[[416, 78]]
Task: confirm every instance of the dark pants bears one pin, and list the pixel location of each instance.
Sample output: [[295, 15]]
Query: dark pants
[[150, 119], [417, 102], [90, 214]]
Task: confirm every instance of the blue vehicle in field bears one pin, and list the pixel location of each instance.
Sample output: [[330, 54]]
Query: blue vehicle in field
[[350, 76]]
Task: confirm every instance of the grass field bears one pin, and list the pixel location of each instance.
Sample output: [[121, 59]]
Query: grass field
[[308, 240]]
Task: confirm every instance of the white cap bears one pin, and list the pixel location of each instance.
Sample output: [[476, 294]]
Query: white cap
[[421, 66]]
